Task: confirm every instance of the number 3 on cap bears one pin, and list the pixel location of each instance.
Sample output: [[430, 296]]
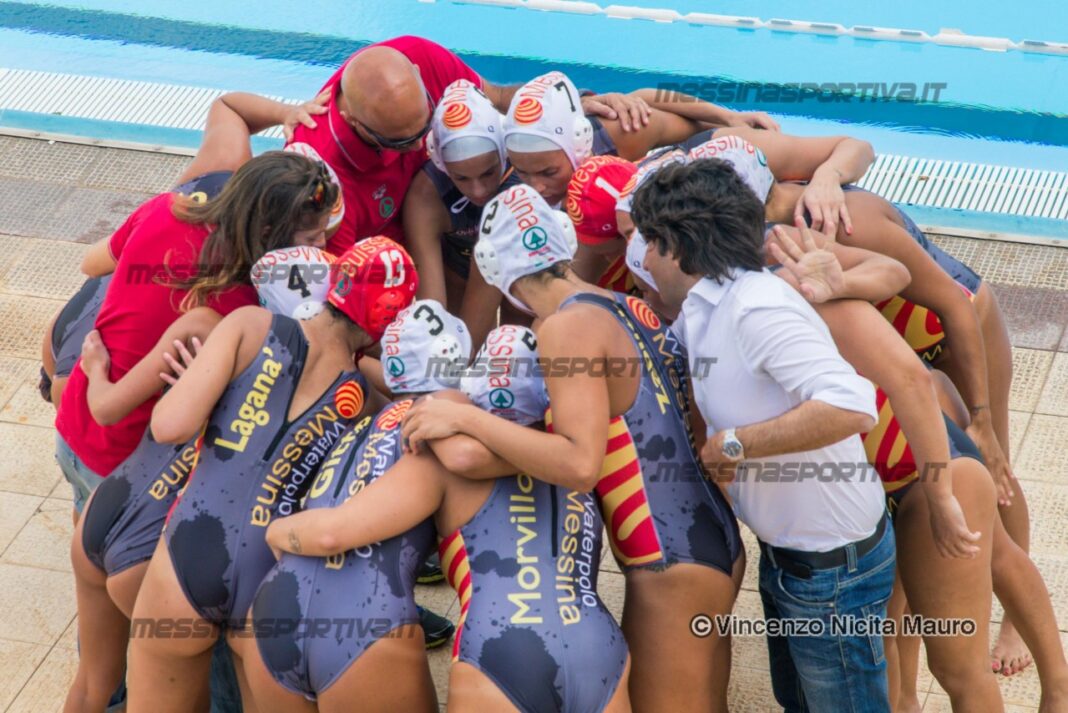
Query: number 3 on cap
[[394, 262]]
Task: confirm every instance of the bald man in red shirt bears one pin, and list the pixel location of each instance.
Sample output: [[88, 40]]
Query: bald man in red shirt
[[377, 112]]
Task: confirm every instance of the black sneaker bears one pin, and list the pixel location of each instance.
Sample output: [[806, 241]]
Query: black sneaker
[[437, 630], [430, 571]]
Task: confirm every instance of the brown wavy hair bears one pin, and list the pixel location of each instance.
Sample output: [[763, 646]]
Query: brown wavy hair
[[259, 209]]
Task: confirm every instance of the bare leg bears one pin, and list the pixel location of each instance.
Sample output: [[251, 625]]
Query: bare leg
[[1019, 586], [721, 676], [242, 644], [269, 695], [908, 649], [902, 656], [1009, 655], [895, 609], [391, 675], [168, 673], [103, 632], [124, 586], [656, 623], [939, 587], [472, 690]]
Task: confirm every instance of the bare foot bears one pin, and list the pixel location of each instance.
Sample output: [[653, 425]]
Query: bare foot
[[1010, 655]]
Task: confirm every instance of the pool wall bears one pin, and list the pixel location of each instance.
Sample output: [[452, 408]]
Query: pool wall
[[986, 107]]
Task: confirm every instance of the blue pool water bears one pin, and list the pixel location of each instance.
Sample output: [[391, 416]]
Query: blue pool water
[[995, 107]]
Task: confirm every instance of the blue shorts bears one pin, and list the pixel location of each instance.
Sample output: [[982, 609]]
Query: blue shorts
[[83, 481]]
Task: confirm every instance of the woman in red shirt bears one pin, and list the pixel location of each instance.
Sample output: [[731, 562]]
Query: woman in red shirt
[[171, 255]]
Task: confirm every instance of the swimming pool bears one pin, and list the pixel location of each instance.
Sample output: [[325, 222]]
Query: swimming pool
[[992, 107]]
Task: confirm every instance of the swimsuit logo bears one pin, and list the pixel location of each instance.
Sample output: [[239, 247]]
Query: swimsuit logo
[[528, 111], [643, 312], [395, 366], [348, 399], [456, 116], [501, 398], [392, 416], [534, 238]]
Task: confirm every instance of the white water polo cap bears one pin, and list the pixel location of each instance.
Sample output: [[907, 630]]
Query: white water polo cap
[[293, 282], [337, 213], [747, 160], [508, 384], [465, 125], [424, 349], [546, 114], [636, 249], [647, 168], [519, 234]]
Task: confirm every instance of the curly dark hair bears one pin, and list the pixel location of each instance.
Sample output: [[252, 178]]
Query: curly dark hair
[[703, 214]]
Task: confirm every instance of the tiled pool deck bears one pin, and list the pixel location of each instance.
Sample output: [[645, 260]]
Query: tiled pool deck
[[57, 198]]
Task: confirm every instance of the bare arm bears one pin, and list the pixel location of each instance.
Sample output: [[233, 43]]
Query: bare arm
[[570, 456], [407, 494], [371, 368], [874, 348], [663, 129], [934, 289], [827, 163], [225, 146], [806, 158], [465, 456], [111, 402], [98, 259], [478, 309], [185, 407], [500, 95], [425, 220], [824, 270], [807, 426], [710, 115]]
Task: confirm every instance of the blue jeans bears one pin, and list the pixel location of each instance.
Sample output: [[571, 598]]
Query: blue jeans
[[834, 671]]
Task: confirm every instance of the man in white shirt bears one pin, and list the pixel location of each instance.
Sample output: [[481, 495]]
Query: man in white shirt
[[783, 411]]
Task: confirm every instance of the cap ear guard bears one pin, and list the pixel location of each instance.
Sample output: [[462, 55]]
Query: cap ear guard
[[435, 154], [424, 349], [570, 236], [583, 139]]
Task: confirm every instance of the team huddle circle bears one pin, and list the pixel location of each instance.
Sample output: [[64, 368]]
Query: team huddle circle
[[509, 339]]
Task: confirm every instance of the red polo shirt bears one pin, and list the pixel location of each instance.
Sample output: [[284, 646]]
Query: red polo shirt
[[137, 310], [373, 182]]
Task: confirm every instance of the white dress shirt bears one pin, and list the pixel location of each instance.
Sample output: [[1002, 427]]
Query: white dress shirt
[[772, 352]]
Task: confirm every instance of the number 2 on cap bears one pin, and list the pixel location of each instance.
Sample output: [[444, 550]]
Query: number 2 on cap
[[394, 262]]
